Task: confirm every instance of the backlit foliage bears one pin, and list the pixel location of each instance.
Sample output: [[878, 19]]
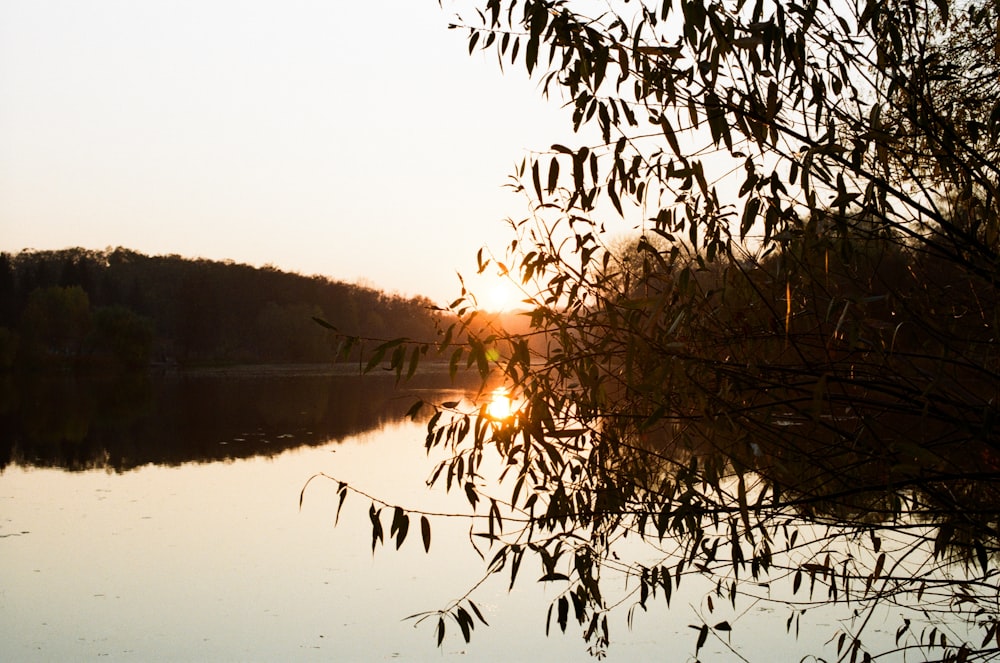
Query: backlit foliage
[[789, 378]]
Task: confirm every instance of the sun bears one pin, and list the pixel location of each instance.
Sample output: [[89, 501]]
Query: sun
[[500, 296]]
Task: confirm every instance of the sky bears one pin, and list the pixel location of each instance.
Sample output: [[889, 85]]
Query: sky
[[357, 140]]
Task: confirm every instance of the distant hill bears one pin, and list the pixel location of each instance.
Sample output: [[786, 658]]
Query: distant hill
[[122, 309]]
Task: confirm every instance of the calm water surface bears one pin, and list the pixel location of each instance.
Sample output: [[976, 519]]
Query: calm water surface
[[162, 522]]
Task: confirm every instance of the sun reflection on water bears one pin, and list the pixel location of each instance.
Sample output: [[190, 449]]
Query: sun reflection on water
[[501, 406]]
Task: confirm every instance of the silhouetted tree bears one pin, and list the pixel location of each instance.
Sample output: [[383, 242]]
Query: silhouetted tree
[[54, 324], [205, 311], [792, 380]]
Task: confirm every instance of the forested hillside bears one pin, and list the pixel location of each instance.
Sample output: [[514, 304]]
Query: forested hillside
[[122, 309]]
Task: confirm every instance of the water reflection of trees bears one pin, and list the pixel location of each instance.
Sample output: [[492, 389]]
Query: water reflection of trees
[[123, 422], [843, 538]]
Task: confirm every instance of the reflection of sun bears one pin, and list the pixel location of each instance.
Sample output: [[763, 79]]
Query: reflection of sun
[[500, 406]]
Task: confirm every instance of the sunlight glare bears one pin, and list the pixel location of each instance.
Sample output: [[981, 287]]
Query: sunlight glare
[[501, 296]]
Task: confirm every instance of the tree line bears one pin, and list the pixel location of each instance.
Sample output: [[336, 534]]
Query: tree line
[[120, 309]]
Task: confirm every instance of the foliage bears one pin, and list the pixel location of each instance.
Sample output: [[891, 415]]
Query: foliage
[[200, 311], [791, 381], [55, 322], [8, 348], [122, 335]]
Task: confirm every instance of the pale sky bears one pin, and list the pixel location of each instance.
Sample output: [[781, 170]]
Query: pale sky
[[350, 139]]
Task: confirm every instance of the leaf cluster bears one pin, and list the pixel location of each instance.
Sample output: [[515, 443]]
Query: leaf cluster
[[790, 378]]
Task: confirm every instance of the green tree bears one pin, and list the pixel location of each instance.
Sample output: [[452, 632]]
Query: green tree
[[8, 348], [55, 322], [287, 333], [792, 380], [8, 291], [123, 335]]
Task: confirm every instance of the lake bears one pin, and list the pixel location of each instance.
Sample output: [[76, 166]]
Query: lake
[[158, 519]]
